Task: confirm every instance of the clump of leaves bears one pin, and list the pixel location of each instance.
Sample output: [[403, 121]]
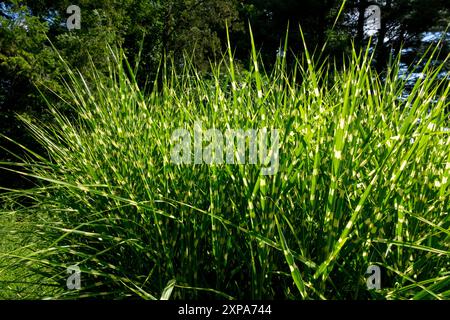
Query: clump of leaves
[[363, 180]]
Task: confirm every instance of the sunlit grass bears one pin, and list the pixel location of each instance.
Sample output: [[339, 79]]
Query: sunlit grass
[[363, 180]]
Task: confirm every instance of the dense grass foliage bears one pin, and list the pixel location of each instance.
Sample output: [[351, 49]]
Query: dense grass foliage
[[363, 180]]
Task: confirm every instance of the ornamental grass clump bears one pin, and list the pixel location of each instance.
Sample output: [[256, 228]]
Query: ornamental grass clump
[[362, 180]]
